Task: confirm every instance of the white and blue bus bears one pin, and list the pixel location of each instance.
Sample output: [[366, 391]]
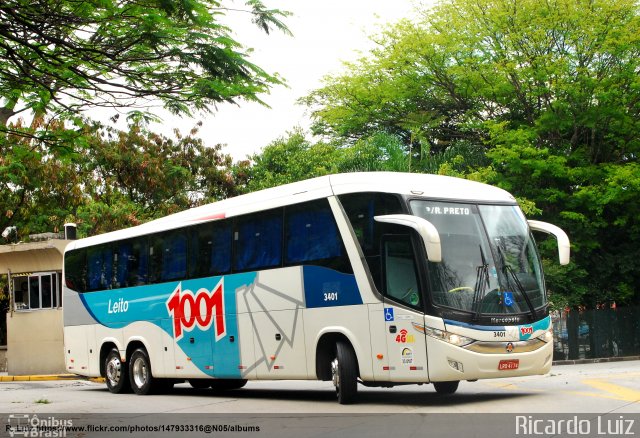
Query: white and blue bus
[[374, 278]]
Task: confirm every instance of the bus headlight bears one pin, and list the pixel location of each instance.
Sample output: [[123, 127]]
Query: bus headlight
[[547, 336], [451, 338]]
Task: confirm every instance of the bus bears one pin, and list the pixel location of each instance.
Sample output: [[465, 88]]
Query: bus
[[378, 278]]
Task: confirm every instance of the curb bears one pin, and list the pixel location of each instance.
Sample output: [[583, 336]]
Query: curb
[[36, 378], [45, 377]]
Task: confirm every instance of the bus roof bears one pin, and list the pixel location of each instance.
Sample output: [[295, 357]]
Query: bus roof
[[410, 184]]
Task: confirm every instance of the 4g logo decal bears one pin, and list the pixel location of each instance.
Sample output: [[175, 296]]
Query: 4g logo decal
[[403, 337], [189, 310]]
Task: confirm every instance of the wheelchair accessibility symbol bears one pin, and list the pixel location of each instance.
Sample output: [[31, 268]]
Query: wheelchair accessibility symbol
[[508, 298], [388, 314]]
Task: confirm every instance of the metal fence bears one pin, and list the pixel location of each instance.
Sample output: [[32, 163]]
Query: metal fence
[[598, 333]]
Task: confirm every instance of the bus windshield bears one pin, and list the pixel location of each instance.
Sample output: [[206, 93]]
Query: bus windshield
[[489, 261]]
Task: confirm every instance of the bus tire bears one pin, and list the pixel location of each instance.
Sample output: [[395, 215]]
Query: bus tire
[[116, 373], [140, 376], [227, 384], [344, 373], [445, 388]]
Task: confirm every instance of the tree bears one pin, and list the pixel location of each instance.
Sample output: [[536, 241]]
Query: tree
[[38, 186], [123, 178], [545, 96], [134, 176], [288, 159], [58, 57], [294, 158]]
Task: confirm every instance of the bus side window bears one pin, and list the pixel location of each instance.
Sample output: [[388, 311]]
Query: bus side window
[[210, 249], [312, 237], [75, 266], [361, 209], [400, 275], [122, 256], [258, 241], [168, 257], [138, 273], [99, 268], [130, 263]]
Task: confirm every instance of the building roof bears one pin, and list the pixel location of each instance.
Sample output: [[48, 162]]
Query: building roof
[[32, 257]]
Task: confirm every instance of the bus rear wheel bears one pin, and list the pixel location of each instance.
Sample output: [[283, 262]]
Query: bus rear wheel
[[116, 374], [140, 376], [344, 373], [445, 388]]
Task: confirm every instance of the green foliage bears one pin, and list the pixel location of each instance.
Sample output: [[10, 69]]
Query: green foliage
[[37, 186], [58, 57], [294, 158], [122, 179], [288, 159], [378, 152], [99, 53], [540, 98], [138, 175]]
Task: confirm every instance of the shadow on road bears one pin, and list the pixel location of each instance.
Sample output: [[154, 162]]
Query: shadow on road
[[366, 396]]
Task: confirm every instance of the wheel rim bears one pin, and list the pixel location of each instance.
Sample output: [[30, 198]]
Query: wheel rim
[[140, 372], [114, 371], [335, 375]]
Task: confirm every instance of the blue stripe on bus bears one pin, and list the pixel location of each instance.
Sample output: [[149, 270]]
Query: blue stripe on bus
[[543, 324], [118, 308], [325, 287]]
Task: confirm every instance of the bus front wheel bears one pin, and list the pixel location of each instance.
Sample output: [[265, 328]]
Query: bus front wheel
[[116, 374], [344, 373], [445, 388], [142, 381]]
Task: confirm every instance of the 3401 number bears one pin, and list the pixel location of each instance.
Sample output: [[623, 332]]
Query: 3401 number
[[331, 296]]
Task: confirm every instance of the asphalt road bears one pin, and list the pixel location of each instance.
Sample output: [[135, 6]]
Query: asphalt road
[[611, 388], [595, 399]]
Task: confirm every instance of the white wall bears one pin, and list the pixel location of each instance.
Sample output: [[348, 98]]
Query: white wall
[[34, 342]]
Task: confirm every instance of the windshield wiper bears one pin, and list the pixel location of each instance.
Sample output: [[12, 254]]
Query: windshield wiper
[[508, 271], [482, 279]]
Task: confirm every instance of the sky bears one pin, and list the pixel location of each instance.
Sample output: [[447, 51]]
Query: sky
[[325, 33]]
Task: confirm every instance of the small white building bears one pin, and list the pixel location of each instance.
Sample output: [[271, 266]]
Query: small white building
[[34, 318]]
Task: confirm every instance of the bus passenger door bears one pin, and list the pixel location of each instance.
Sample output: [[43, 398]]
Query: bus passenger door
[[406, 346]]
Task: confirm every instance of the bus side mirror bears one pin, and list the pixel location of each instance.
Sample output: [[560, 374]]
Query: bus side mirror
[[425, 229], [564, 247]]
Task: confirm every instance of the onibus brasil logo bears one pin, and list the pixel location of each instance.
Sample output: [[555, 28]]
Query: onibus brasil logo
[[201, 309], [31, 426]]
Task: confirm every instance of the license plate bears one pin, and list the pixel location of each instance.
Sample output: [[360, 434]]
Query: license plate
[[511, 364]]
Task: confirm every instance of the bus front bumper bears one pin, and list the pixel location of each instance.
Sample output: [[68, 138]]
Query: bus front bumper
[[448, 362]]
